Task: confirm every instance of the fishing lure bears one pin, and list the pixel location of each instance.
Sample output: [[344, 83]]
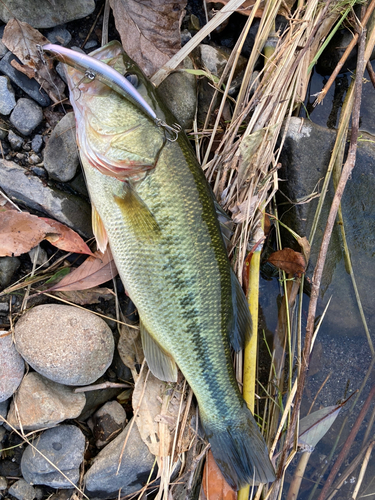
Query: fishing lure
[[93, 68]]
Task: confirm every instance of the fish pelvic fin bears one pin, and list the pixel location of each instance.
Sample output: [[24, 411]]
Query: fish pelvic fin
[[161, 364], [239, 449], [241, 325], [138, 216], [99, 230]]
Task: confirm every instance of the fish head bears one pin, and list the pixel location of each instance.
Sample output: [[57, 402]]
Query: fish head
[[113, 134]]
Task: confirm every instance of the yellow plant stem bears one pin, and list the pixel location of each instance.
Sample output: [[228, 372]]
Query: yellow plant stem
[[250, 353]]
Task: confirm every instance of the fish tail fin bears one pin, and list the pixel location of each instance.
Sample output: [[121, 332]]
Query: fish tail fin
[[239, 449]]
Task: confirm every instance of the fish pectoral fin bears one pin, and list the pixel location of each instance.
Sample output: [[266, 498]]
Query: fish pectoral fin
[[138, 216], [99, 230], [161, 364], [241, 327]]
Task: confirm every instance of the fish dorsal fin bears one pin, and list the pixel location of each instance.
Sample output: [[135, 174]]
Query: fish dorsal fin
[[99, 230], [161, 364], [138, 216], [226, 223], [241, 327]]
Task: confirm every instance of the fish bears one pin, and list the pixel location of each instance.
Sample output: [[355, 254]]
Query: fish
[[152, 204]]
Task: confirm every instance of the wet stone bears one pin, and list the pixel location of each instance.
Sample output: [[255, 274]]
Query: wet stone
[[64, 446], [15, 141], [67, 345], [102, 479], [44, 13], [3, 409], [59, 403], [37, 143], [22, 490], [8, 266], [29, 85], [61, 157], [7, 96], [31, 191], [3, 483], [108, 422], [59, 35], [12, 367], [26, 116]]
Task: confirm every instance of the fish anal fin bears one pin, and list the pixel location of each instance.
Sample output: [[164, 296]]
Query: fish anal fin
[[99, 230], [161, 364], [138, 215], [241, 326]]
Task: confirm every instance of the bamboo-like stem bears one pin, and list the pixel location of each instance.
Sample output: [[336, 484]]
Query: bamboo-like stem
[[298, 476]]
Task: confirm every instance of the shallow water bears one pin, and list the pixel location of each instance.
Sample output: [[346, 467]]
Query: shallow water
[[341, 351]]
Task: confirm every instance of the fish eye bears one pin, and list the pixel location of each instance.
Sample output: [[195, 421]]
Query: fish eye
[[133, 79]]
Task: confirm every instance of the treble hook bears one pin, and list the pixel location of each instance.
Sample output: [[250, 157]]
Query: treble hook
[[172, 130]]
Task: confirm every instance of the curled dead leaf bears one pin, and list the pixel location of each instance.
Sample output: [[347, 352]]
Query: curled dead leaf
[[289, 261], [65, 238], [23, 40], [149, 30], [96, 269]]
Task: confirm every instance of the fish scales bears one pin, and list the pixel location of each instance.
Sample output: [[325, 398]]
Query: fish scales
[[167, 245]]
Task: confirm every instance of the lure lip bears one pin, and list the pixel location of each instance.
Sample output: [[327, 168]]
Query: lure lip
[[112, 78], [105, 73]]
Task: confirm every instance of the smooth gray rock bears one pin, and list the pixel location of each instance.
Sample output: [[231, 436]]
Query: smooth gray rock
[[179, 92], [37, 143], [26, 116], [108, 422], [33, 192], [4, 409], [102, 480], [59, 35], [15, 141], [61, 158], [8, 266], [45, 14], [64, 446], [7, 96], [3, 483], [43, 403], [29, 85], [22, 490], [67, 345], [12, 367]]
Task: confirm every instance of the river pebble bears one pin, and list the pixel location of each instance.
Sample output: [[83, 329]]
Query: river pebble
[[26, 116], [3, 483], [3, 410], [15, 140], [22, 490], [43, 403], [69, 209], [59, 35], [64, 446], [7, 96], [102, 479], [61, 157], [66, 344], [37, 143], [108, 422], [44, 13], [8, 266], [12, 367], [29, 85]]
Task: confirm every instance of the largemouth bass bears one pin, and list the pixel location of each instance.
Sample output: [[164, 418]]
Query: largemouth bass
[[152, 203]]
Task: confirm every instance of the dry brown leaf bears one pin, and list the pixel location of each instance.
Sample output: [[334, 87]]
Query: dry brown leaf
[[20, 232], [305, 247], [214, 485], [246, 7], [130, 347], [149, 30], [289, 261], [149, 408], [65, 238], [21, 39], [93, 272], [84, 297]]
